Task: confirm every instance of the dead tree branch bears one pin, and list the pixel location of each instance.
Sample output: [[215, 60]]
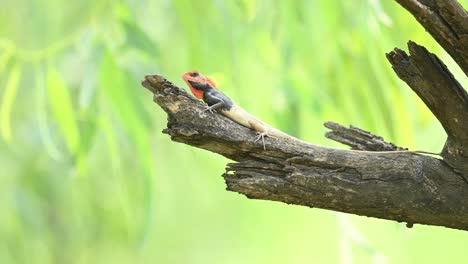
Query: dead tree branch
[[371, 180], [430, 79], [358, 139], [447, 22], [403, 187]]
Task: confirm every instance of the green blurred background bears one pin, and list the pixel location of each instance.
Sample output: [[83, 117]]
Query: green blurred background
[[88, 177]]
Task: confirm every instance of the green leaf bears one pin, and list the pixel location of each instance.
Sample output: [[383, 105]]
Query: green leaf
[[7, 102], [189, 20], [118, 91], [42, 117], [4, 59], [115, 85], [61, 105], [250, 9], [139, 39]]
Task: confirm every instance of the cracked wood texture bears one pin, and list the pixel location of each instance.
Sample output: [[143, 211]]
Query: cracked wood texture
[[404, 187], [358, 139], [370, 180], [447, 22], [430, 79]]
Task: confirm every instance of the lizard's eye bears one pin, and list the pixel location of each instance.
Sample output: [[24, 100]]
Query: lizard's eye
[[194, 74]]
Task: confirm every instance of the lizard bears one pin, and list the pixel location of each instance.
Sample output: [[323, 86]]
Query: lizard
[[205, 89]]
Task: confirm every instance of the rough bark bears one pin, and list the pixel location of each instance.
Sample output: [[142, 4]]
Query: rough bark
[[398, 186], [371, 180], [447, 22], [358, 139], [430, 79]]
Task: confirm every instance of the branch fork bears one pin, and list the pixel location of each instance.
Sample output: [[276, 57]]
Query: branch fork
[[369, 180]]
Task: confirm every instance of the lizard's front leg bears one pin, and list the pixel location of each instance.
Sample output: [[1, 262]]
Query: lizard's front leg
[[214, 107], [214, 100]]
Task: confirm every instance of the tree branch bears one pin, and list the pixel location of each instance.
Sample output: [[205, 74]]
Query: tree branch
[[447, 22], [430, 79], [435, 85], [379, 183], [358, 139], [404, 187]]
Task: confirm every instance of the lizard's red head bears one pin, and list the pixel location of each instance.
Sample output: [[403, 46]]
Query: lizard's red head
[[195, 76]]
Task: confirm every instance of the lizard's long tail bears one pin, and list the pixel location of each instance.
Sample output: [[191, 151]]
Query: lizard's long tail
[[246, 119]]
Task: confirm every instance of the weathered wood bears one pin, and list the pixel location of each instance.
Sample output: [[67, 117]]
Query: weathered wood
[[447, 22], [403, 187], [358, 139], [381, 183], [430, 79]]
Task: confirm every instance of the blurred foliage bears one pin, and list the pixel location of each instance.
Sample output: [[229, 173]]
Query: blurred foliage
[[88, 177]]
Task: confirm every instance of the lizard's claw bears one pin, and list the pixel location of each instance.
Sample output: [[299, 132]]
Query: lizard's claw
[[209, 109], [261, 135]]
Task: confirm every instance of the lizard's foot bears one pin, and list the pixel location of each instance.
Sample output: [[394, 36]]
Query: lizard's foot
[[209, 109], [261, 135]]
